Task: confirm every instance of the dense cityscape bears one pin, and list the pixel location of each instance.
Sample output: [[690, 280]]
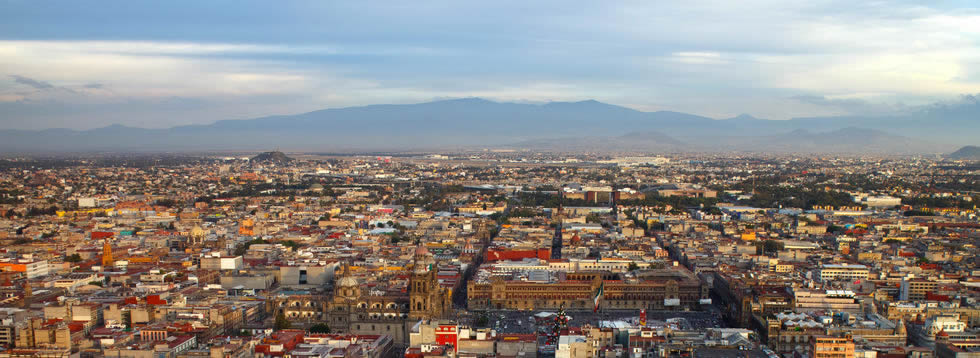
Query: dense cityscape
[[489, 254], [489, 179]]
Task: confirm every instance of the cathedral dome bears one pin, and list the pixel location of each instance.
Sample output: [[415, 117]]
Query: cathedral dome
[[347, 281], [423, 260]]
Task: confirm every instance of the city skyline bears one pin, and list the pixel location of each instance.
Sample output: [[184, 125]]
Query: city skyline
[[505, 179]]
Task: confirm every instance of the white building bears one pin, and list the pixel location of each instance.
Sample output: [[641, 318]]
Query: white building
[[843, 272], [76, 280], [222, 263], [572, 347], [883, 201], [31, 269], [86, 202]]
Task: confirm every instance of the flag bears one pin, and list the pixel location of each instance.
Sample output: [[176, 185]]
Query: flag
[[598, 295]]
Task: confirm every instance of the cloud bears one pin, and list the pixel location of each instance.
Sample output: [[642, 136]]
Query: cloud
[[773, 59], [853, 104], [836, 102], [40, 85], [703, 58]]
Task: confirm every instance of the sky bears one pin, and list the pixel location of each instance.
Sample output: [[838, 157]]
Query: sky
[[86, 64]]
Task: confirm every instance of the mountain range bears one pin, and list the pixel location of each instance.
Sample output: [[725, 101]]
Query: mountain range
[[473, 123], [970, 152]]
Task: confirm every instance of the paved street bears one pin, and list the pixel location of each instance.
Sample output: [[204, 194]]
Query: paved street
[[509, 321]]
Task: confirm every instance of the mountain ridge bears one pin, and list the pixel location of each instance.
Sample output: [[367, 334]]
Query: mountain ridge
[[476, 122], [969, 152]]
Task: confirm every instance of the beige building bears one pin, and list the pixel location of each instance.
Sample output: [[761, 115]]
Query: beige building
[[302, 275], [674, 288], [36, 334], [832, 347]]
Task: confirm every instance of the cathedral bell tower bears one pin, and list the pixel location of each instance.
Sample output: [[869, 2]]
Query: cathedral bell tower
[[423, 288], [106, 255]]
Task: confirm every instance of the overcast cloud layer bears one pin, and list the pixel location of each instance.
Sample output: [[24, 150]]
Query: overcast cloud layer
[[86, 64]]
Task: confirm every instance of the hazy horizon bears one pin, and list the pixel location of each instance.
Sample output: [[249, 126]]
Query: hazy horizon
[[83, 65], [962, 100]]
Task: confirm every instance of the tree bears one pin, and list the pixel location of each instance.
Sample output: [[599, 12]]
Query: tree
[[633, 266], [482, 320], [282, 322], [593, 218], [241, 249], [769, 247], [319, 328], [396, 238], [73, 258]]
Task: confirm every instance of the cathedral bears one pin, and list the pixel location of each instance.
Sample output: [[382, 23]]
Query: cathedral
[[351, 310]]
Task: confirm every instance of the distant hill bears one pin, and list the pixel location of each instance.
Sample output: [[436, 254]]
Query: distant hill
[[630, 142], [844, 140], [473, 123], [276, 157], [970, 152]]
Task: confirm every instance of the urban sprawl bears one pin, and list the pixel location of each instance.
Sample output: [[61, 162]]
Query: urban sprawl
[[489, 254]]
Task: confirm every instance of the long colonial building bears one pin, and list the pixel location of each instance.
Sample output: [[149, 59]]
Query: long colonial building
[[672, 288]]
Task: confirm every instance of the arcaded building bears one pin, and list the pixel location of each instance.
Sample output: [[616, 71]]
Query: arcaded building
[[671, 288]]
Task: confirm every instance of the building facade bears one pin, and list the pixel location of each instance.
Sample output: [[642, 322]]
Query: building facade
[[351, 311], [667, 290]]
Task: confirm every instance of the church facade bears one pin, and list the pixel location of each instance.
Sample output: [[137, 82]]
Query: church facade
[[352, 311]]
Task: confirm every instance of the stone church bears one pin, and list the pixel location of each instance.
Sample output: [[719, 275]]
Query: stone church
[[351, 310]]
